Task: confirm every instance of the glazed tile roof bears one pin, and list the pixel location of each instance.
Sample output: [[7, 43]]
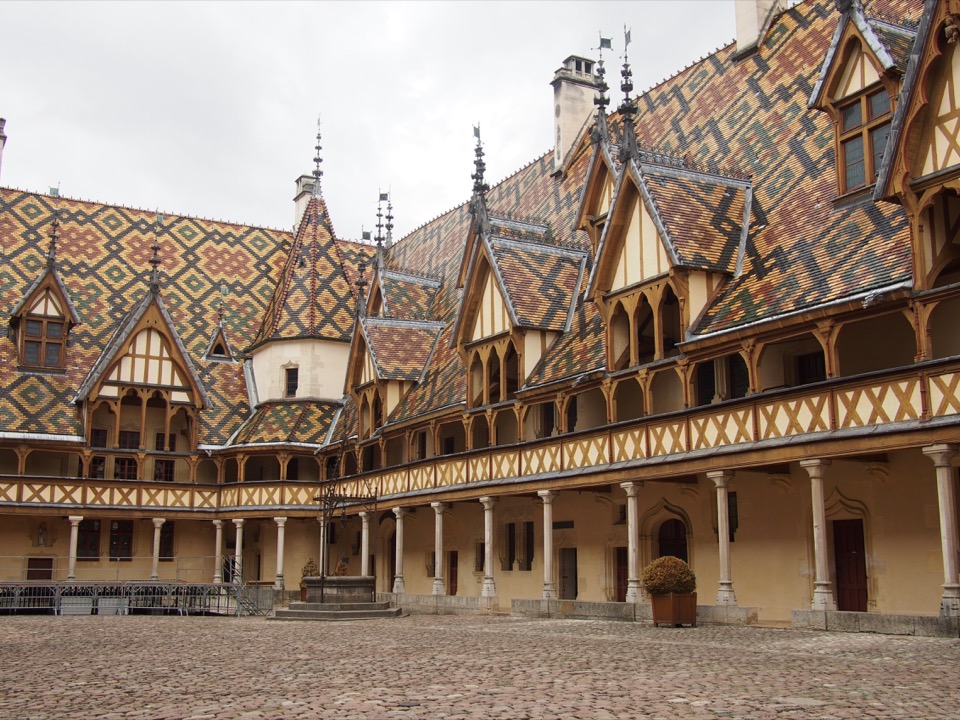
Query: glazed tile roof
[[541, 282], [407, 296], [897, 40], [103, 260], [577, 352], [400, 348], [444, 383], [288, 422], [314, 298]]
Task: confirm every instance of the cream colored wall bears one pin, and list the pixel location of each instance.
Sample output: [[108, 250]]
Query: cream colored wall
[[857, 74], [492, 316], [322, 364], [941, 151], [535, 344], [642, 255]]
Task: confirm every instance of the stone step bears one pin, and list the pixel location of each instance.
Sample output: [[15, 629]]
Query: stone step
[[331, 615], [339, 606]]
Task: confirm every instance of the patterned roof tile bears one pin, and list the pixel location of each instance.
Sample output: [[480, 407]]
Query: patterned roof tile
[[288, 422], [401, 348]]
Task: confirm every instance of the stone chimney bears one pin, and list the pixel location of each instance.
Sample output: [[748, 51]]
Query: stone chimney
[[3, 140], [753, 20], [305, 185], [575, 85]]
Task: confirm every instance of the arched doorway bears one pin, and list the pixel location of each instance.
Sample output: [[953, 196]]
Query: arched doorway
[[672, 539]]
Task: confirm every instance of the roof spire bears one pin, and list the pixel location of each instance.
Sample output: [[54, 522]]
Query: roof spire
[[383, 196], [479, 186], [155, 259], [361, 284], [628, 145], [317, 172], [602, 100], [389, 240]]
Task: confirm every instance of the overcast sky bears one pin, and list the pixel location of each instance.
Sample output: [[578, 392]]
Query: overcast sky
[[210, 109]]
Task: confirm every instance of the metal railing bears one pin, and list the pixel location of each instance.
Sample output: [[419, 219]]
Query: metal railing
[[182, 569], [134, 597]]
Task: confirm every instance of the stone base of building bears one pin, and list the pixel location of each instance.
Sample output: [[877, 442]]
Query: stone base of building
[[630, 612], [839, 621], [441, 604]]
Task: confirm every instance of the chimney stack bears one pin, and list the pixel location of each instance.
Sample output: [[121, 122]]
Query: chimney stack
[[753, 20], [3, 140], [575, 85], [305, 185]]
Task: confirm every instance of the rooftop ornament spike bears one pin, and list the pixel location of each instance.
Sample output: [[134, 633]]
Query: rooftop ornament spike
[[479, 186], [600, 131], [361, 284], [317, 172], [54, 236], [389, 241], [155, 259], [628, 146]]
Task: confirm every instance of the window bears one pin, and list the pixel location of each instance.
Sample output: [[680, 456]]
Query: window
[[129, 440], [292, 382], [171, 442], [121, 540], [125, 468], [98, 438], [43, 341], [98, 463], [88, 540], [864, 131], [478, 557], [519, 546], [810, 368], [163, 470], [293, 469], [166, 541]]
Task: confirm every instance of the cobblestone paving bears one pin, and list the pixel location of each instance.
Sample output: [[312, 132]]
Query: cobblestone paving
[[462, 667]]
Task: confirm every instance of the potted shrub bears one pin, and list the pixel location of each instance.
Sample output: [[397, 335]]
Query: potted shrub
[[309, 570], [672, 587]]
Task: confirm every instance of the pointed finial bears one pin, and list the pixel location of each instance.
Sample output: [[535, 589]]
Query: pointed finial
[[627, 84], [628, 144], [389, 240], [361, 284], [54, 236], [155, 260], [379, 236], [479, 186], [317, 172], [601, 101]]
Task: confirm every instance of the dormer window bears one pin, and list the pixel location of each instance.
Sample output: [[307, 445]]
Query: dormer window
[[43, 322], [864, 129], [43, 341]]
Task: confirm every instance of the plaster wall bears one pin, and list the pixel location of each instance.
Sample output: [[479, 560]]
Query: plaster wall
[[322, 367]]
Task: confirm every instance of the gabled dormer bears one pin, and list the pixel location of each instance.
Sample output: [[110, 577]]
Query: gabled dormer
[[675, 234], [387, 358], [598, 193], [858, 87], [43, 318], [401, 295]]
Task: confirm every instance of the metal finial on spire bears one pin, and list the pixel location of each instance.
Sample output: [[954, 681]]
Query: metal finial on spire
[[389, 240], [601, 101], [627, 84], [361, 284], [628, 144], [54, 236], [479, 186], [317, 172], [155, 259], [379, 237]]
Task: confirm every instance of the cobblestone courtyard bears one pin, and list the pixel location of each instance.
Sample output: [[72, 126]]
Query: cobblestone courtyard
[[462, 667]]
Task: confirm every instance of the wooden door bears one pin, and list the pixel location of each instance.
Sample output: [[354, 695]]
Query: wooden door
[[40, 568], [453, 560], [622, 573], [851, 563], [568, 573], [672, 539]]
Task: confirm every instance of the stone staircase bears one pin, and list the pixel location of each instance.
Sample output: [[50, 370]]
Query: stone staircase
[[337, 611]]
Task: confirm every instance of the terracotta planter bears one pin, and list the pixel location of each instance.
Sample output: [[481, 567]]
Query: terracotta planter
[[675, 609], [303, 592]]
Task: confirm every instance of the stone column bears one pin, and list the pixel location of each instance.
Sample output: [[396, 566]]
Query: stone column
[[155, 568], [633, 542], [238, 553], [398, 586], [74, 535], [823, 598], [438, 584], [218, 554], [281, 533], [941, 455], [323, 547], [489, 585], [365, 543], [549, 591], [725, 594]]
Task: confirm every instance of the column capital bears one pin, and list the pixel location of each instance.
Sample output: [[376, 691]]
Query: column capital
[[547, 496], [816, 467], [280, 521], [217, 523], [158, 522], [941, 453], [75, 519], [400, 512], [488, 502], [720, 477], [439, 507], [365, 515], [632, 487], [239, 522]]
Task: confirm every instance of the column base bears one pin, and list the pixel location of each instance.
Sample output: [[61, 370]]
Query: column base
[[438, 588], [398, 587], [278, 583], [950, 601], [725, 594], [549, 592], [823, 597], [633, 591], [489, 588]]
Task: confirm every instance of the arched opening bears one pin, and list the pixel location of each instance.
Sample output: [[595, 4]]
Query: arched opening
[[350, 463], [949, 275], [9, 463], [666, 392], [723, 378], [261, 467], [877, 343], [304, 468], [479, 433], [586, 410], [231, 470], [377, 411], [130, 405], [395, 454], [619, 338], [511, 370], [476, 381], [672, 539], [628, 400], [671, 330], [540, 421], [370, 457], [791, 363], [493, 377], [364, 429], [47, 463], [452, 438], [207, 471], [646, 332], [505, 427], [944, 338]]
